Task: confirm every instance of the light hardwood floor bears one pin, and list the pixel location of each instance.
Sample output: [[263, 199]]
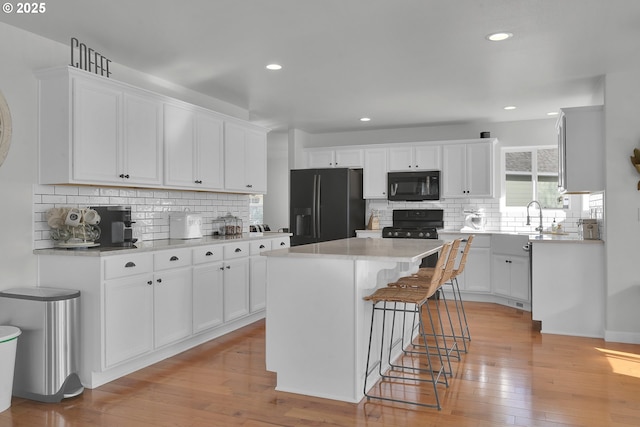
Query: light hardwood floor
[[512, 375]]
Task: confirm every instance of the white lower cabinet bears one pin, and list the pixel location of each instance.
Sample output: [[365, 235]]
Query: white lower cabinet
[[476, 275], [511, 276], [207, 287], [128, 318], [172, 306], [139, 308], [258, 276], [236, 289], [144, 311]]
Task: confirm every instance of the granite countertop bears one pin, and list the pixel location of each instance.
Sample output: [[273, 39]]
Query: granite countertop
[[397, 250], [155, 245]]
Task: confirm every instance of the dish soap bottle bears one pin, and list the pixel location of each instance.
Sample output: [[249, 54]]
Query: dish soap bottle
[[554, 226]]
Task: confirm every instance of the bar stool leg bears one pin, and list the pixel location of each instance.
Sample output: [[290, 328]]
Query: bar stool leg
[[434, 376], [466, 334], [453, 335]]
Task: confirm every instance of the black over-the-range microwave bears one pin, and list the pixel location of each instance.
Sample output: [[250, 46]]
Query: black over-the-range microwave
[[413, 186]]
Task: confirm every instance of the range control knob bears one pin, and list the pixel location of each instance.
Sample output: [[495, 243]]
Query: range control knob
[[421, 234], [408, 234]]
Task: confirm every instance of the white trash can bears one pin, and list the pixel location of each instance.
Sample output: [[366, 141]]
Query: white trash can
[[8, 344]]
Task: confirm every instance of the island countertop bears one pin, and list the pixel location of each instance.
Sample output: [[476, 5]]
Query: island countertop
[[396, 250]]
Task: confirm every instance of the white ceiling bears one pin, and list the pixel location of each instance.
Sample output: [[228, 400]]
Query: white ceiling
[[400, 62]]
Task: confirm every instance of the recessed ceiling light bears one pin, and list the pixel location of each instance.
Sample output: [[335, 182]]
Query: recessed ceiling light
[[552, 113], [498, 37], [274, 67], [365, 119], [510, 107]]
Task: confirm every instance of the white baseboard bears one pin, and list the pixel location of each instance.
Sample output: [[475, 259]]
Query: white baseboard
[[622, 337]]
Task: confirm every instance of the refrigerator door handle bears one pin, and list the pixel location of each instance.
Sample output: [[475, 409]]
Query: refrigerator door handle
[[314, 232], [317, 202]]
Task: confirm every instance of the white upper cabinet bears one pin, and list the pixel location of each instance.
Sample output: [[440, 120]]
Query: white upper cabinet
[[581, 149], [142, 140], [194, 150], [335, 158], [93, 131], [97, 131], [245, 158], [375, 173], [467, 169], [414, 158]]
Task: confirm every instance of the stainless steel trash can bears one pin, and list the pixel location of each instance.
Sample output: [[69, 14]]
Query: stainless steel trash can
[[48, 352]]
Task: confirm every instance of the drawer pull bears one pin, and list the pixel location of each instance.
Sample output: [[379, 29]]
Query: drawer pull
[[130, 264], [209, 253], [150, 282], [282, 244], [228, 267], [238, 250], [261, 246], [222, 268], [159, 280], [174, 258]]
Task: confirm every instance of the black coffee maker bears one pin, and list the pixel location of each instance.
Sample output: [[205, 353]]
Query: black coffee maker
[[115, 226]]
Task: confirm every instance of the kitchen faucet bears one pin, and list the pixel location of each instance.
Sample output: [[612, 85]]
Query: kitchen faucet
[[539, 228]]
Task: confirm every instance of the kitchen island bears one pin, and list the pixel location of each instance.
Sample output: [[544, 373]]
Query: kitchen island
[[317, 322]]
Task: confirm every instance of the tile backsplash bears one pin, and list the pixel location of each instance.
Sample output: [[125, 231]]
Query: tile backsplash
[[497, 219], [149, 208]]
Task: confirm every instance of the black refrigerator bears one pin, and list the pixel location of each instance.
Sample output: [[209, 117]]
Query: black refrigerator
[[325, 204]]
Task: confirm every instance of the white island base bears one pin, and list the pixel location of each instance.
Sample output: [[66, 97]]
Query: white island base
[[317, 327]]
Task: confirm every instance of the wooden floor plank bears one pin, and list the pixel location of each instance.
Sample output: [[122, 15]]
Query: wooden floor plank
[[511, 376]]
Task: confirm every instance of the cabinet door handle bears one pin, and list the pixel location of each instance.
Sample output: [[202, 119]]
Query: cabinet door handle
[[159, 280], [222, 268], [174, 258], [197, 181], [228, 267], [249, 185], [282, 244], [150, 282], [261, 247], [130, 264], [238, 250], [209, 253]]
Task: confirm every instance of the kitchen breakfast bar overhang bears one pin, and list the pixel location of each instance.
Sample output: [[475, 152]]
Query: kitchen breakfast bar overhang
[[317, 324]]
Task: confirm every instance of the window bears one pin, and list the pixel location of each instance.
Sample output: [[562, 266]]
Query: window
[[531, 174]]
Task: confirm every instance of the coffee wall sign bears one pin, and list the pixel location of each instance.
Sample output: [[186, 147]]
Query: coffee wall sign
[[5, 129], [88, 59]]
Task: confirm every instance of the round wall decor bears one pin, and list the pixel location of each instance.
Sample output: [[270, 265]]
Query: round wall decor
[[5, 128]]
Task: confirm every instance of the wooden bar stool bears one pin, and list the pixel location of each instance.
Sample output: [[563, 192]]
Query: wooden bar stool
[[388, 300]]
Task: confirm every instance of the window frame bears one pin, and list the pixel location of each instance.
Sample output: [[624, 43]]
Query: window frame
[[533, 149]]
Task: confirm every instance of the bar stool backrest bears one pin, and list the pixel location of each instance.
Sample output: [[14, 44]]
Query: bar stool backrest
[[439, 269], [463, 259], [447, 273]]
